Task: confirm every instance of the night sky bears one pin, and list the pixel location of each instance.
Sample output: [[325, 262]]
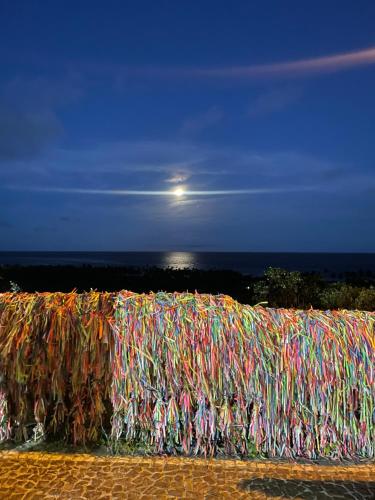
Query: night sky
[[261, 113]]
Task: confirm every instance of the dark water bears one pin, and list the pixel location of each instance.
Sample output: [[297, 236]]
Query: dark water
[[244, 262]]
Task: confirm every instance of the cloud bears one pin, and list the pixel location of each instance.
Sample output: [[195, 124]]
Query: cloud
[[287, 69], [5, 224], [202, 121], [188, 192], [141, 167], [142, 156], [40, 92], [338, 194], [28, 115], [68, 218], [177, 178], [26, 134], [274, 100], [137, 164]]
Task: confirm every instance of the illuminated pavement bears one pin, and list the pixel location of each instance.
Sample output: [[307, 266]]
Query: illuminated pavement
[[34, 475]]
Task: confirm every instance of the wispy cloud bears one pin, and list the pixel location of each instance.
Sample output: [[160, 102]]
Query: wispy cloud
[[177, 178], [150, 166], [41, 92], [299, 68], [275, 100], [202, 121], [286, 189], [135, 192]]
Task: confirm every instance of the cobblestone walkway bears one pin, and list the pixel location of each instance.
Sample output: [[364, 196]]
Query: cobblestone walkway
[[39, 476]]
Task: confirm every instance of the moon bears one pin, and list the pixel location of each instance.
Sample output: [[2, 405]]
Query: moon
[[178, 192]]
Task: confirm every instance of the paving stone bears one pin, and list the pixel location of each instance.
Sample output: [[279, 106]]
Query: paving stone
[[33, 475]]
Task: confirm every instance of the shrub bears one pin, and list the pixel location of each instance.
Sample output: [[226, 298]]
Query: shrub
[[366, 299], [339, 296]]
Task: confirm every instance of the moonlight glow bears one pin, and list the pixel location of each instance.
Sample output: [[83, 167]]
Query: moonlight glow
[[178, 192]]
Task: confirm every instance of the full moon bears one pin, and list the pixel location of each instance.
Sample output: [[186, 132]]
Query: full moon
[[178, 192]]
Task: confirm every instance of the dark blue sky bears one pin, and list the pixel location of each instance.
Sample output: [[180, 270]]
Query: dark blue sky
[[272, 98]]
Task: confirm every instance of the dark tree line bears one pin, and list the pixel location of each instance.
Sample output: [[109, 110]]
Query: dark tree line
[[278, 287]]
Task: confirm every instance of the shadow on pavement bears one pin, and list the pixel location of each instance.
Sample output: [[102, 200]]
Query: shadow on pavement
[[308, 490]]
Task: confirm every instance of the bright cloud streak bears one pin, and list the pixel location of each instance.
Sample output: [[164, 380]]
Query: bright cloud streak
[[134, 192], [302, 67]]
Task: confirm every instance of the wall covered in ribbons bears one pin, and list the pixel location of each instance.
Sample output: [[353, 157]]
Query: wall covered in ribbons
[[55, 363], [187, 373]]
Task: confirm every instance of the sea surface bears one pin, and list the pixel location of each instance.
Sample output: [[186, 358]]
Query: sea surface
[[245, 262]]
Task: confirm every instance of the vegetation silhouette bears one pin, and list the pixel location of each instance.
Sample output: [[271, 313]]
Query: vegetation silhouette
[[277, 288]]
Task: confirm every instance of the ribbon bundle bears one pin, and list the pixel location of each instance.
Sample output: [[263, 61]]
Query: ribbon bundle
[[194, 373], [189, 373], [54, 362]]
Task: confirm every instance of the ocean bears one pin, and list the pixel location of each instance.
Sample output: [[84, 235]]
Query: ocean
[[253, 263]]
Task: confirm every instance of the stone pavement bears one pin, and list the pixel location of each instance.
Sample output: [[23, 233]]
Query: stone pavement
[[34, 475]]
